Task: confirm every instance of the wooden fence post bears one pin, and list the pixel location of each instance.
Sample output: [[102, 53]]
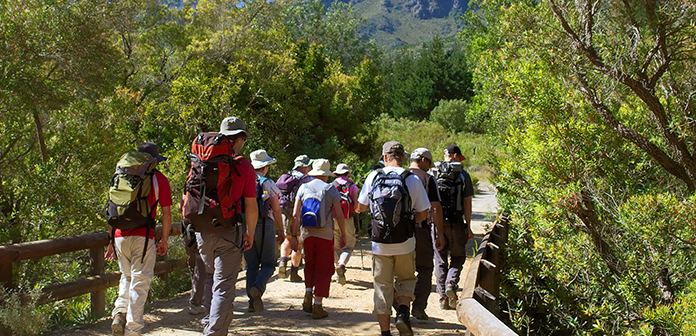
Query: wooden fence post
[[98, 298], [6, 274]]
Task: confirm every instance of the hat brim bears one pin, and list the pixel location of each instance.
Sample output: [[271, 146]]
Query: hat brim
[[320, 173], [161, 158], [261, 164], [298, 165], [235, 132]]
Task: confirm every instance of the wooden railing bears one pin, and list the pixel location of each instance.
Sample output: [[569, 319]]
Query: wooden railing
[[477, 309], [96, 284]]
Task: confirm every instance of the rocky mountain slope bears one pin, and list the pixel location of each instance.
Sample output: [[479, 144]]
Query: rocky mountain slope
[[394, 23]]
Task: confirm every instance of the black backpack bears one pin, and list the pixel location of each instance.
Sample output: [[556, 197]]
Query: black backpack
[[392, 211], [450, 185]]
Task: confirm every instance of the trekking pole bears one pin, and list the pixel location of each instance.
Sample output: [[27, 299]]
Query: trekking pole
[[356, 218]]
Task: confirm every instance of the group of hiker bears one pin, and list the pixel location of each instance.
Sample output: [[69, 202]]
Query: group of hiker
[[231, 210]]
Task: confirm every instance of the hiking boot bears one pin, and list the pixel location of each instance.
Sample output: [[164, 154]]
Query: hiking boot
[[444, 304], [318, 312], [118, 324], [294, 276], [341, 272], [451, 293], [251, 306], [307, 303], [283, 269], [403, 324], [419, 314], [195, 310], [255, 294]]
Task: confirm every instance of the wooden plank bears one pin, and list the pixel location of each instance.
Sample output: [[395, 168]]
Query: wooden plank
[[99, 282], [43, 248], [471, 280], [479, 321]]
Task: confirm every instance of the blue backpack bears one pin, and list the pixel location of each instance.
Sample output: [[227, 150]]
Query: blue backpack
[[311, 215]]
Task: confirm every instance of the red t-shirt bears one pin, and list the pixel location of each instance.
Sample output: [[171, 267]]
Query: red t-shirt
[[165, 200], [245, 184]]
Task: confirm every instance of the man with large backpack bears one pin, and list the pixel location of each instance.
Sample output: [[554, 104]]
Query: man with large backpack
[[397, 200], [288, 184], [315, 205], [349, 198], [421, 162], [456, 192], [261, 258], [136, 189], [212, 205]]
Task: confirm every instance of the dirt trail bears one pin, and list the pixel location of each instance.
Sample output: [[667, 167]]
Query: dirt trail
[[349, 306]]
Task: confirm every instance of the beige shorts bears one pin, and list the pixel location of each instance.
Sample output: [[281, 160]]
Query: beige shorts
[[393, 276], [350, 234]]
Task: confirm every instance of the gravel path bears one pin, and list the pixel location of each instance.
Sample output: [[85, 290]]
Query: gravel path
[[349, 306]]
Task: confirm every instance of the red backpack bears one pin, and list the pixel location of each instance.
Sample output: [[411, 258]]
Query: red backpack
[[207, 204], [346, 202]]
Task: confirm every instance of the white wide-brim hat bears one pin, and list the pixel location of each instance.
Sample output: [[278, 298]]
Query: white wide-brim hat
[[341, 169], [260, 159], [320, 167]]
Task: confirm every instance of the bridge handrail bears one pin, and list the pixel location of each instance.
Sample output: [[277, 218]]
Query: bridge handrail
[[96, 284], [478, 307]]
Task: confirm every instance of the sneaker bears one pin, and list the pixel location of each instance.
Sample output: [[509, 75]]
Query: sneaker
[[294, 277], [341, 271], [118, 324], [251, 306], [419, 314], [283, 269], [307, 303], [452, 296], [403, 324], [255, 294], [318, 312], [195, 310]]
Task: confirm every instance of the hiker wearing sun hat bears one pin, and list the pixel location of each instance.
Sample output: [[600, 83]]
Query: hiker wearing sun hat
[[313, 210], [288, 184], [222, 250], [349, 198], [261, 258]]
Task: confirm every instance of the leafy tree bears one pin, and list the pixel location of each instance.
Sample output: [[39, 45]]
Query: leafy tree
[[334, 27], [592, 184], [416, 80]]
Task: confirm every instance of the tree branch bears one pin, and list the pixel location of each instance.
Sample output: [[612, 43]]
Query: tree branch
[[627, 133]]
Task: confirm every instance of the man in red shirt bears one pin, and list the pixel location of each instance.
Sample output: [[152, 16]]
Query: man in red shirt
[[137, 272], [222, 252]]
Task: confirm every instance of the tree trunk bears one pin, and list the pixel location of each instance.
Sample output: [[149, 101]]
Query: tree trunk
[[40, 136]]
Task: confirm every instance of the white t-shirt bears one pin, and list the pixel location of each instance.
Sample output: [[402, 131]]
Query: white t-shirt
[[419, 200]]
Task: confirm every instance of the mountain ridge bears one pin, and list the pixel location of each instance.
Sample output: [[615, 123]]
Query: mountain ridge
[[396, 23]]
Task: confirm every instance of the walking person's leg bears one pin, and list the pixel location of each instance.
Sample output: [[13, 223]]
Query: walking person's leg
[[323, 270], [122, 301], [442, 264], [424, 269], [404, 286], [222, 258], [142, 272], [383, 282]]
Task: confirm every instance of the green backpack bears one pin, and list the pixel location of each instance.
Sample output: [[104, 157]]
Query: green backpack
[[127, 206]]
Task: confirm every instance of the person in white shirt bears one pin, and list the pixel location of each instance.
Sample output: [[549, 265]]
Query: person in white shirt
[[394, 268]]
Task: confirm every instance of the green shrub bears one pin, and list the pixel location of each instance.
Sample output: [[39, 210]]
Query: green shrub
[[20, 313]]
